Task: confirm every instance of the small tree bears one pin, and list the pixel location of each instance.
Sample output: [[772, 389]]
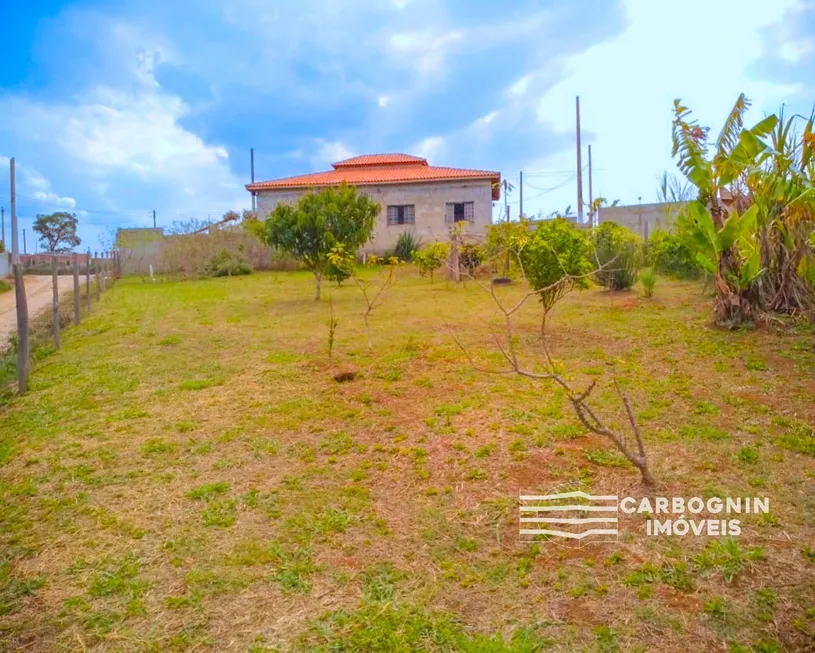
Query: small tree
[[57, 231], [557, 251], [317, 224], [431, 257]]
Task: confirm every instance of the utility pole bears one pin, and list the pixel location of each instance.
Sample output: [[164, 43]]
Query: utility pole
[[154, 218], [591, 195], [3, 222], [521, 196], [15, 254], [25, 248], [579, 165], [20, 300], [252, 166]]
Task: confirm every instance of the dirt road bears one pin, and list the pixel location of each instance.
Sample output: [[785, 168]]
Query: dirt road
[[38, 294]]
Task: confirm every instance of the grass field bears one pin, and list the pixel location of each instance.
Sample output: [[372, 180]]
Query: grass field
[[186, 474]]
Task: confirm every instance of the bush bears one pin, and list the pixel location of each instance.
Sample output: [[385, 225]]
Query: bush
[[5, 286], [648, 280], [504, 237], [227, 264], [666, 253], [470, 257], [619, 254], [431, 258], [556, 249], [406, 245]]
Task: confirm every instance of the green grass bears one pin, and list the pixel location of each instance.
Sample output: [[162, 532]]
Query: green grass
[[186, 474]]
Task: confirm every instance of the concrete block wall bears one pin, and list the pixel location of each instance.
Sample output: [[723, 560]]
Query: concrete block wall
[[430, 201], [643, 219]]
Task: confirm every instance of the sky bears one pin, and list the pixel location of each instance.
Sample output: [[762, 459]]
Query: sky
[[115, 109]]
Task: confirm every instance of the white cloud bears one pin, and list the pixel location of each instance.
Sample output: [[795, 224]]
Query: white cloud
[[627, 86], [425, 50], [429, 148], [794, 51], [330, 152], [56, 200], [520, 87], [383, 101]]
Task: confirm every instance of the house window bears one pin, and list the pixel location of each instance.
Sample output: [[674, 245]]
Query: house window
[[401, 214], [459, 212]]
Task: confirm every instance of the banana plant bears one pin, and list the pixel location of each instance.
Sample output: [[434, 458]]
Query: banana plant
[[700, 234]]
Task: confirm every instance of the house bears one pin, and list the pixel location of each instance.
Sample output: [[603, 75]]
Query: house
[[413, 195]]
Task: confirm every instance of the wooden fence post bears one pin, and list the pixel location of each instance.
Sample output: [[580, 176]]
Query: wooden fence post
[[77, 298], [88, 280], [22, 329], [104, 270], [55, 302], [96, 276]]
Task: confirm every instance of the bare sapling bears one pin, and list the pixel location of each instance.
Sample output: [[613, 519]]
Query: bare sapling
[[332, 328], [632, 449], [373, 292]]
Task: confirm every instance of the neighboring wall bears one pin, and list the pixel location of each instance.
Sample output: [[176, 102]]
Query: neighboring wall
[[642, 219], [430, 200], [5, 264]]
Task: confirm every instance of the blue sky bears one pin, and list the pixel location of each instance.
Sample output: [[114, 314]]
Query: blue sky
[[113, 109]]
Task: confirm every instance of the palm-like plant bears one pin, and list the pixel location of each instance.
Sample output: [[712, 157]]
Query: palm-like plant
[[784, 193], [737, 152]]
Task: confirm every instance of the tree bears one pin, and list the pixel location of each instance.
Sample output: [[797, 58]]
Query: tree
[[57, 231], [557, 251], [319, 223], [619, 254], [738, 152]]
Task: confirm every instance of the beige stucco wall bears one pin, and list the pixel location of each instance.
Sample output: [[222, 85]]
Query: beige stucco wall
[[430, 200], [642, 219]]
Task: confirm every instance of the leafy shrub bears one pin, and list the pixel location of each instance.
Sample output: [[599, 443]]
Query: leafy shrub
[[619, 254], [470, 257], [5, 286], [648, 280], [556, 249], [227, 263], [666, 253], [406, 245], [431, 257], [506, 237]]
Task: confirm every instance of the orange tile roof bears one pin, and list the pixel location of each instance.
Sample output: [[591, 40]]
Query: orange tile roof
[[380, 160], [373, 169]]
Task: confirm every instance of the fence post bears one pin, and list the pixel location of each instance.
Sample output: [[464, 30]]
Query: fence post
[[96, 276], [22, 329], [88, 280], [103, 265], [55, 284], [77, 298]]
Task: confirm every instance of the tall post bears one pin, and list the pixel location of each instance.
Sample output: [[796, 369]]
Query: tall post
[[506, 204], [25, 247], [103, 265], [55, 301], [579, 165], [521, 196], [15, 246], [88, 280], [591, 193], [96, 276], [77, 298], [252, 166], [3, 223], [154, 218], [19, 293]]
